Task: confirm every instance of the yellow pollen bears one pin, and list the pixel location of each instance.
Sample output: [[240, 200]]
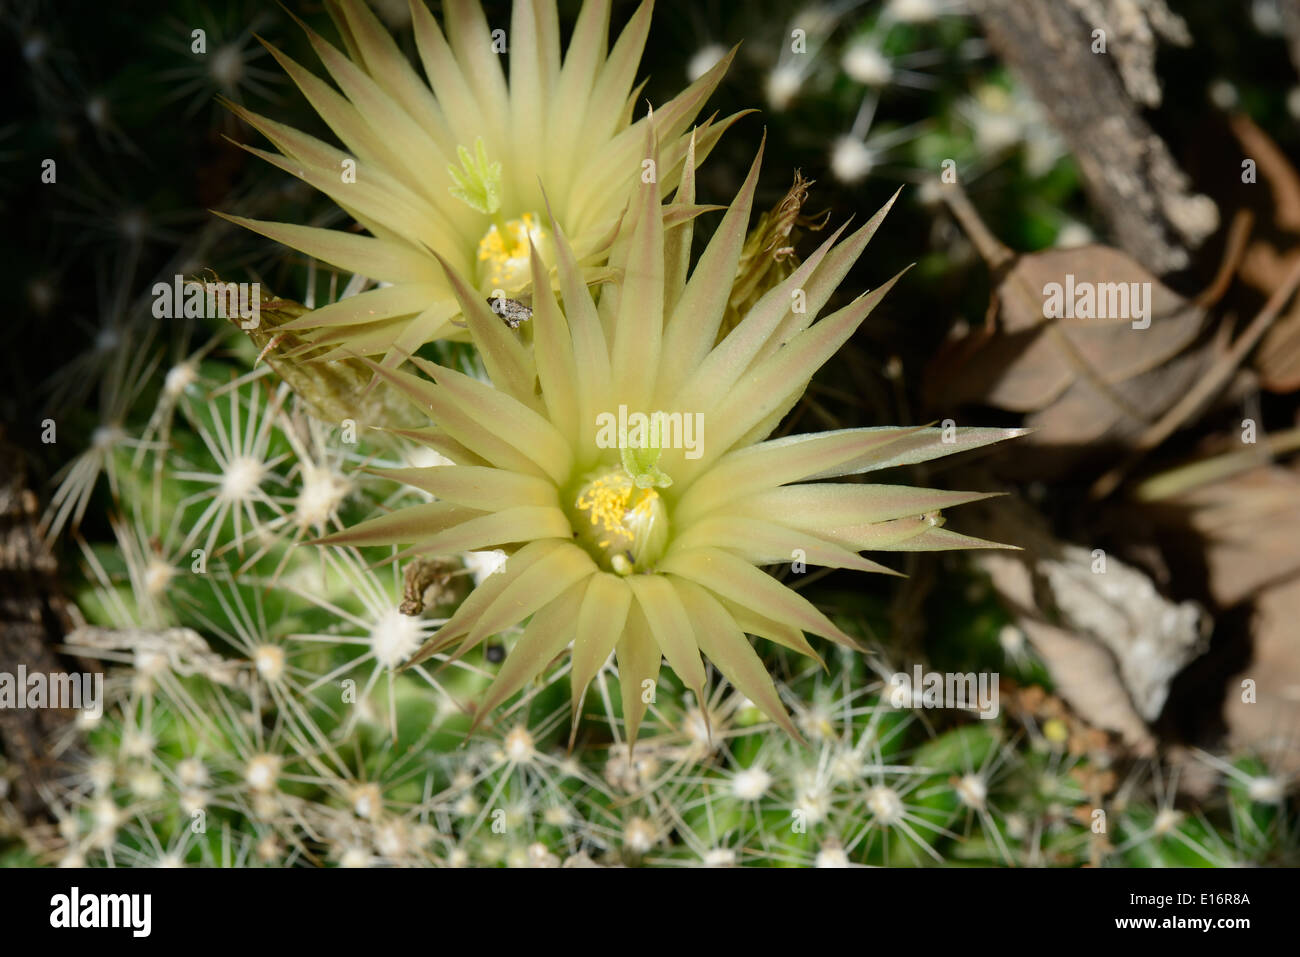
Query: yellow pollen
[[622, 518], [503, 253], [606, 501]]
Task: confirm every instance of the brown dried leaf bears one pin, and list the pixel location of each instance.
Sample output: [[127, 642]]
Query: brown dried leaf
[[1273, 252], [1269, 720], [1249, 524], [1274, 169], [1080, 379], [1112, 643], [1278, 357]]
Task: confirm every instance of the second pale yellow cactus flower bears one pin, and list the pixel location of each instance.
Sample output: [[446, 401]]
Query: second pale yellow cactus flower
[[456, 167]]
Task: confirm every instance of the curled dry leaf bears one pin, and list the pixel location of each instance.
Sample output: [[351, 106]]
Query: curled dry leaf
[[1262, 709], [1085, 342], [1111, 641], [1247, 526], [1273, 251], [1278, 358]]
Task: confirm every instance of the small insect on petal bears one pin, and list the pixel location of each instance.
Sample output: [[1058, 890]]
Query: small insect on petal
[[512, 311]]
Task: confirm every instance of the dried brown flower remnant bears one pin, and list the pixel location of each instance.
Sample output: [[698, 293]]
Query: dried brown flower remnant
[[425, 582], [768, 256]]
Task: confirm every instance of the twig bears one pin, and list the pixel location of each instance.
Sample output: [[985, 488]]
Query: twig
[[995, 253]]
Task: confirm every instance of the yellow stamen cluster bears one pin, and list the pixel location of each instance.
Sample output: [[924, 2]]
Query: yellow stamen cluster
[[503, 253], [625, 524]]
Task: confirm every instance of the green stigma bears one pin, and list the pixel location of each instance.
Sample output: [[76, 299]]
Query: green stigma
[[477, 182], [642, 464]]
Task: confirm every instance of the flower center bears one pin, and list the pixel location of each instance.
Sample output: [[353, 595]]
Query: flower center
[[503, 255], [624, 526]]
